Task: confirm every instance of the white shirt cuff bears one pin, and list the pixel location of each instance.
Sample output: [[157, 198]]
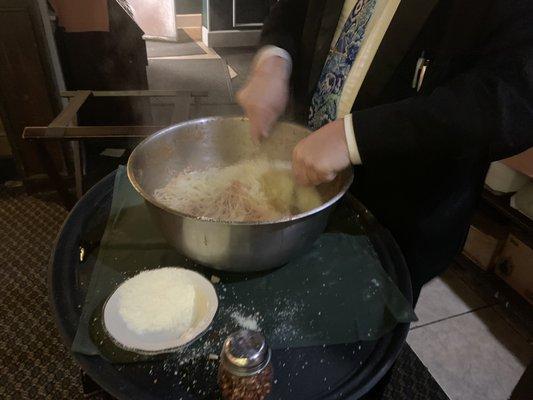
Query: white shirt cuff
[[269, 51], [353, 150]]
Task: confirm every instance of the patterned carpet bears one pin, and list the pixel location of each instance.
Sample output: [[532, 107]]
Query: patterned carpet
[[34, 363], [410, 380]]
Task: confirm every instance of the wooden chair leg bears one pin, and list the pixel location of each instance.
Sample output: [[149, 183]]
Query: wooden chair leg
[[78, 168], [56, 179]]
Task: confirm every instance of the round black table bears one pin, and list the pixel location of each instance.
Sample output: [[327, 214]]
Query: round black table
[[333, 372]]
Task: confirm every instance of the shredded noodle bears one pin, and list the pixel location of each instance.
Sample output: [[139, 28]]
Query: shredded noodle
[[251, 190]]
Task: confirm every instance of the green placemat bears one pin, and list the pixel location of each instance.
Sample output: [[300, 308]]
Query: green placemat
[[336, 293]]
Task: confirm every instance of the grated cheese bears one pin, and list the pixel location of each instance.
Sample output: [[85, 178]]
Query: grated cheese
[[158, 300], [246, 322]]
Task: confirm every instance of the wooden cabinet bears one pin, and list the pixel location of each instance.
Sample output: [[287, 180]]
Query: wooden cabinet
[[5, 148], [27, 93], [515, 266], [481, 247]]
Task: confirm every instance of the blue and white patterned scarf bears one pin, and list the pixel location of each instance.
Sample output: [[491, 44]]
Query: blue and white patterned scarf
[[338, 64]]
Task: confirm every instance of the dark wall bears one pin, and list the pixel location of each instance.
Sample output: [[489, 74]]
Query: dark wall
[[220, 14], [189, 6], [251, 11]]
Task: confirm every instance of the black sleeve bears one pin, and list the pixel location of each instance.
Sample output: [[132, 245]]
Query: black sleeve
[[487, 110], [284, 25]]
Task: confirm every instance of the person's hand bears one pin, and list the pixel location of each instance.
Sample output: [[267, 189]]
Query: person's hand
[[320, 156], [265, 95]]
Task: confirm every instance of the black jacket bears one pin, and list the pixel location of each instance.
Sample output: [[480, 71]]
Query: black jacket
[[425, 155]]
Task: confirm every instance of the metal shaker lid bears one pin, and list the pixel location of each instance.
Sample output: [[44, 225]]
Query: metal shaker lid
[[245, 352]]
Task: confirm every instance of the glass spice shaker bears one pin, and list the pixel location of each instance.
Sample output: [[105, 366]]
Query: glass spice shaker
[[245, 371]]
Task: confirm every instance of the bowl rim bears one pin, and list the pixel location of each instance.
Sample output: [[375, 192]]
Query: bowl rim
[[151, 199]]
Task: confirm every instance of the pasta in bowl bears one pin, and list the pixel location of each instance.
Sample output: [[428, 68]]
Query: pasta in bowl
[[227, 202]]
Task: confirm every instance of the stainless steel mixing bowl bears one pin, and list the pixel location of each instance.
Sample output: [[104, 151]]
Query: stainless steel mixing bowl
[[218, 142]]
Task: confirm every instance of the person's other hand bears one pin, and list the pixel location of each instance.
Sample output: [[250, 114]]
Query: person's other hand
[[265, 95], [322, 155]]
